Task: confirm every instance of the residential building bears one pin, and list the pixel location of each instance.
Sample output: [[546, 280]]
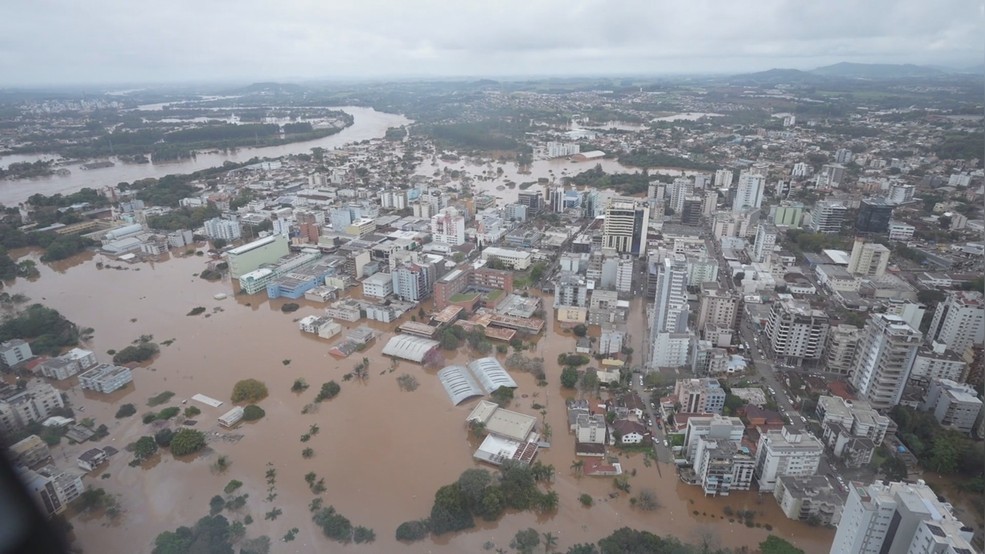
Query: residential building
[[92, 458], [721, 467], [892, 518], [611, 342], [852, 430], [788, 214], [809, 498], [937, 361], [749, 192], [959, 321], [15, 351], [413, 282], [874, 215], [766, 235], [562, 149], [681, 188], [34, 404], [626, 431], [570, 289], [517, 260], [624, 274], [29, 452], [839, 350], [869, 259], [700, 396], [796, 332], [830, 176], [719, 306], [250, 256], [225, 229], [50, 493], [448, 227], [954, 405], [626, 224], [591, 429], [901, 231], [843, 156], [884, 357], [911, 312], [711, 427], [701, 268], [378, 285], [324, 327], [828, 216], [68, 364], [786, 452], [669, 338], [105, 378], [723, 179]]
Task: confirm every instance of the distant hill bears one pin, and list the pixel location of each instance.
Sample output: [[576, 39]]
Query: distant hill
[[268, 89], [876, 71], [777, 76]]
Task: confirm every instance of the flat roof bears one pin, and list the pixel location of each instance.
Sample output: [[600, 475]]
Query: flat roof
[[251, 245], [506, 423]]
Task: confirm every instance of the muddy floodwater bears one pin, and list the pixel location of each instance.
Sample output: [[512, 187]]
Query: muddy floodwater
[[382, 452]]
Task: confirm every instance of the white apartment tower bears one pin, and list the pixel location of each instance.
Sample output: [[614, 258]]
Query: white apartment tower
[[719, 307], [883, 360], [899, 518], [828, 216], [723, 179], [959, 321], [669, 338], [765, 241], [749, 192], [786, 452], [839, 351], [796, 331], [448, 227], [869, 259], [626, 223], [681, 188]]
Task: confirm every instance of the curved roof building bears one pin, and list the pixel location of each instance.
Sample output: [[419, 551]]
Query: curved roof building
[[478, 378]]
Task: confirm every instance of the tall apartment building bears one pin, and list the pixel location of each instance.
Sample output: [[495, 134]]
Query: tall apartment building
[[869, 259], [787, 214], [852, 430], [749, 192], [722, 467], [226, 229], [68, 364], [719, 307], [562, 149], [796, 332], [570, 289], [681, 188], [711, 427], [959, 321], [766, 235], [15, 351], [843, 156], [786, 452], [413, 282], [954, 405], [700, 396], [898, 518], [808, 498], [723, 179], [883, 360], [670, 341], [839, 350], [626, 224], [828, 216], [448, 227], [624, 274], [36, 403]]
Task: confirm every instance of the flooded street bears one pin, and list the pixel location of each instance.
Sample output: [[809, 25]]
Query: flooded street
[[368, 124], [382, 452]]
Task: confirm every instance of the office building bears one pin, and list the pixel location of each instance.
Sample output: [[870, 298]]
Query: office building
[[626, 225], [700, 396], [226, 229], [796, 332], [839, 350], [828, 216], [533, 199], [749, 192], [959, 321], [250, 256], [884, 357], [786, 452], [898, 518], [721, 467], [874, 215], [869, 259], [901, 231], [719, 307], [691, 212], [954, 405]]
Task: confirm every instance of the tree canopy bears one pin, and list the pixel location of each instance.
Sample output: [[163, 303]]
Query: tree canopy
[[249, 390]]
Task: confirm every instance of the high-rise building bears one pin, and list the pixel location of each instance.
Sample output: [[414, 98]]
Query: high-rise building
[[533, 199], [669, 339], [959, 321], [899, 518], [226, 229], [839, 351], [627, 221], [869, 259], [883, 360], [796, 331], [723, 179], [874, 215], [555, 198], [691, 212], [681, 188], [711, 427], [719, 307], [413, 282], [786, 452], [853, 431], [765, 241], [700, 396], [787, 214], [722, 467], [34, 404], [954, 405], [448, 227], [828, 216], [843, 156], [709, 204], [562, 149], [749, 192], [830, 176], [570, 289]]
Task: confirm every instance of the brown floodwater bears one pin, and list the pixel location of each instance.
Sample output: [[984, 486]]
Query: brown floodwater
[[381, 451]]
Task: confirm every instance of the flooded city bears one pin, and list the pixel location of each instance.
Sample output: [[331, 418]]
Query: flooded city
[[383, 452]]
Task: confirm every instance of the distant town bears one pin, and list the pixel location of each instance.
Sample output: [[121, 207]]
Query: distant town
[[738, 314]]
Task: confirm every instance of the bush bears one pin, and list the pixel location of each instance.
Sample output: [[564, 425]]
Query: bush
[[328, 391], [168, 413], [196, 311], [187, 441], [126, 410], [163, 437], [192, 411], [232, 486], [249, 390], [149, 417], [136, 353], [289, 307], [253, 412], [159, 399], [586, 499], [413, 530], [569, 377], [300, 385]]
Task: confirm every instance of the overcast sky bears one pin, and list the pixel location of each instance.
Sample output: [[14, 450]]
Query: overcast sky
[[120, 41]]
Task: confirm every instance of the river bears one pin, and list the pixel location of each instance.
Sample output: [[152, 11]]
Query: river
[[367, 124], [383, 452]]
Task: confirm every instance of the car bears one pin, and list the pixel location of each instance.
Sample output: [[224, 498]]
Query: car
[[804, 419], [667, 444]]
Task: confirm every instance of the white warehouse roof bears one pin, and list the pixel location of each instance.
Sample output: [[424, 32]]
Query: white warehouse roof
[[479, 377], [409, 347]]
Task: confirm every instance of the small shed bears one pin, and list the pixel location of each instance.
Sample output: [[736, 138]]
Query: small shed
[[231, 417]]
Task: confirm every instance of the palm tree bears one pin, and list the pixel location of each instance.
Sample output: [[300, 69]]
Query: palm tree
[[550, 542], [547, 432], [549, 502], [578, 466]]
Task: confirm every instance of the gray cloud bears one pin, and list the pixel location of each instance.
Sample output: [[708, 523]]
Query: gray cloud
[[63, 41]]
